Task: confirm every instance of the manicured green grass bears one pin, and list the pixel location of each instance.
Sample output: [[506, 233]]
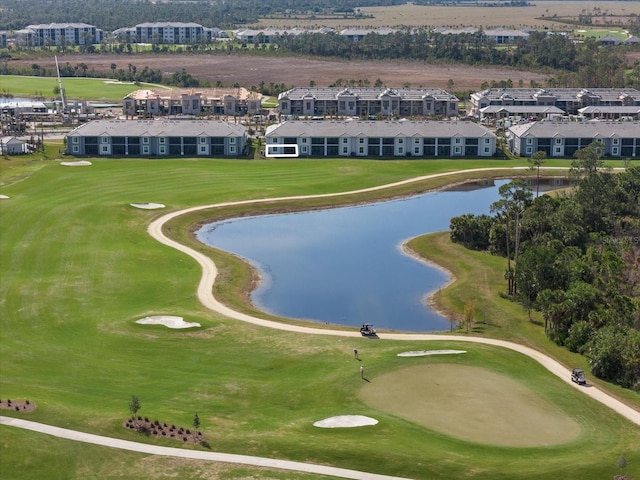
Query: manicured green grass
[[78, 268], [75, 87]]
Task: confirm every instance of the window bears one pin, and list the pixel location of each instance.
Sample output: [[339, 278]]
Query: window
[[203, 139], [457, 140], [75, 139], [487, 140], [529, 150], [304, 150], [558, 141], [145, 139], [361, 150], [361, 140], [616, 141], [105, 139], [529, 141], [203, 149], [304, 140], [145, 149], [232, 140], [161, 139], [345, 140], [162, 149], [416, 141], [486, 149], [400, 150], [345, 150], [232, 149], [558, 149], [401, 141], [614, 151], [416, 150], [457, 150], [105, 149], [76, 149]]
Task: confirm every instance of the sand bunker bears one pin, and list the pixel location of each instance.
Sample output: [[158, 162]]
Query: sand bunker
[[168, 321], [346, 421], [148, 206], [422, 353], [79, 163], [3, 197]]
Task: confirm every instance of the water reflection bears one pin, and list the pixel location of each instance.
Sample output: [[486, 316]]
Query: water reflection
[[345, 266]]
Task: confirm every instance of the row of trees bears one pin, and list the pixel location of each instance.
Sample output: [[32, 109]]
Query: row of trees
[[575, 258], [582, 64]]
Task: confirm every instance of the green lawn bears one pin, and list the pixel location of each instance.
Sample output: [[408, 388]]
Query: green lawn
[[75, 87], [78, 268]]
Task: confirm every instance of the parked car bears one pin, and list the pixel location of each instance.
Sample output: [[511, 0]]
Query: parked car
[[577, 375]]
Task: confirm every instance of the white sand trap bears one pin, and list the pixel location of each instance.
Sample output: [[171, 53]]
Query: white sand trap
[[168, 321], [79, 163], [148, 206], [422, 353], [4, 197], [346, 421]]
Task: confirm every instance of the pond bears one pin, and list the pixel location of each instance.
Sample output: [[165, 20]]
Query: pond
[[345, 266]]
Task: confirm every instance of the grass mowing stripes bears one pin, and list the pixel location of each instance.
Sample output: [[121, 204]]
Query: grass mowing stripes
[[78, 268]]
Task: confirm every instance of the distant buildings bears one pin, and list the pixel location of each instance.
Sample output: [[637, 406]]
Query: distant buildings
[[569, 100], [157, 138], [376, 139], [499, 35], [169, 33], [192, 101], [58, 34], [366, 102]]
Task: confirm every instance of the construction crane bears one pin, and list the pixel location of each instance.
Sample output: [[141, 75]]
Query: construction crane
[[64, 103]]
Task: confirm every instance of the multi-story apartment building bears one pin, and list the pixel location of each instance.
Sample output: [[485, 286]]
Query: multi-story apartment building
[[366, 102], [379, 139], [563, 139], [192, 101], [157, 138], [169, 32], [59, 34], [569, 100]]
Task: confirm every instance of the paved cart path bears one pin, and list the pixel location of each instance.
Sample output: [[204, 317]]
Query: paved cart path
[[209, 273]]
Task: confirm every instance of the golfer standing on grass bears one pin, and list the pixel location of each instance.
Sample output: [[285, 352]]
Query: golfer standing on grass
[[355, 353], [362, 372]]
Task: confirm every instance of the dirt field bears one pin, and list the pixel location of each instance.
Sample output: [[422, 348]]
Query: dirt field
[[249, 70], [541, 14]]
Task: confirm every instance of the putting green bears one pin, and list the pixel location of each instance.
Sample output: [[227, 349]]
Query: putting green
[[471, 403]]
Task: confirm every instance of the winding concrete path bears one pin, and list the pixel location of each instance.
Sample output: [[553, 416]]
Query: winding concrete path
[[192, 454], [205, 295], [210, 272]]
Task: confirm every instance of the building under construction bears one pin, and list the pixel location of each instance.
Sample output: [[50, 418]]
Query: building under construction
[[191, 101]]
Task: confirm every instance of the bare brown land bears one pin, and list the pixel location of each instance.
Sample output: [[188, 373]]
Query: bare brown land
[[543, 13], [299, 72]]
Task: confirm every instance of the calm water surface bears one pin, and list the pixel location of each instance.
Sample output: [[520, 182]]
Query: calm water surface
[[345, 266]]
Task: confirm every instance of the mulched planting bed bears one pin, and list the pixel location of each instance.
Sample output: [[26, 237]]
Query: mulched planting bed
[[17, 405], [163, 430]]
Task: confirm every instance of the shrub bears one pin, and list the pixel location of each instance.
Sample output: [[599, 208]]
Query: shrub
[[205, 444]]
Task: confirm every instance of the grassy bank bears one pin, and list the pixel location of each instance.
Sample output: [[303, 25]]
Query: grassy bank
[[78, 268]]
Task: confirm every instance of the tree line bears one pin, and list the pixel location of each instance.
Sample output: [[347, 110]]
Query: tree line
[[587, 63], [575, 258], [113, 14]]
